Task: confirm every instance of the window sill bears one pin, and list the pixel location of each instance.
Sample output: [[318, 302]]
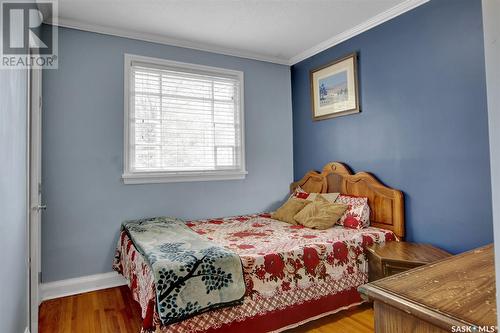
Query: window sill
[[157, 178]]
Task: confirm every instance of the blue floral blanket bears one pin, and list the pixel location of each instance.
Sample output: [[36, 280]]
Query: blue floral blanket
[[191, 273]]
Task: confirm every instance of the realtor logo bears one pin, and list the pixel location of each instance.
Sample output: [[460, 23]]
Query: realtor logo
[[24, 42]]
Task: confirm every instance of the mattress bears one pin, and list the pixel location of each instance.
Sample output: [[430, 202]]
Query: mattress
[[292, 273]]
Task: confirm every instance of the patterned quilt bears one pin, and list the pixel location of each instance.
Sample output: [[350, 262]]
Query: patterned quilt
[[285, 267], [191, 273]]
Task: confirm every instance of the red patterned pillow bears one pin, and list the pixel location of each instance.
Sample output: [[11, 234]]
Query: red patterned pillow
[[299, 193], [357, 216]]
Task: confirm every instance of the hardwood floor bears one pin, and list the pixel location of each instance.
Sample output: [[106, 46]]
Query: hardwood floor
[[356, 320], [114, 311], [105, 311]]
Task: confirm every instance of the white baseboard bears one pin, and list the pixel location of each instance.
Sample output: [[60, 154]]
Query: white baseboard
[[80, 285]]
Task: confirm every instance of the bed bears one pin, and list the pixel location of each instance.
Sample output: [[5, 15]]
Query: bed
[[292, 274]]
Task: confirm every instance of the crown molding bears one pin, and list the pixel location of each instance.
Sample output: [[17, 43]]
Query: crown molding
[[159, 39], [368, 24]]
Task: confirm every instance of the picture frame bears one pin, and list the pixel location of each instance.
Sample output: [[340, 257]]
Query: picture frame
[[334, 88]]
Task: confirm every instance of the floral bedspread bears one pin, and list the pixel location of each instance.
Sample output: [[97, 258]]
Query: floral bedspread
[[278, 256], [280, 261]]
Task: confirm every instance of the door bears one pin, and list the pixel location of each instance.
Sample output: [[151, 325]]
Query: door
[[35, 194]]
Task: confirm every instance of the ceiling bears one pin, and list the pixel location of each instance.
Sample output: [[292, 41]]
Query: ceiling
[[280, 31]]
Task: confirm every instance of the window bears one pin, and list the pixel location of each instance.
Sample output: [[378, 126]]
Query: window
[[183, 122]]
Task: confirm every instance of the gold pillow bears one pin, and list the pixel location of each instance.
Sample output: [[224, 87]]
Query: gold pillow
[[320, 214], [289, 209]]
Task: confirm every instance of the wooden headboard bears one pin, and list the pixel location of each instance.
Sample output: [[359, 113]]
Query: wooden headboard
[[386, 204]]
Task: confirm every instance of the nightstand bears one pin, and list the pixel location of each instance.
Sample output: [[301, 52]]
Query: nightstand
[[395, 257]]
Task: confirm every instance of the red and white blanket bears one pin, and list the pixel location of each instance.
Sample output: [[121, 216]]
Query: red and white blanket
[[286, 270]]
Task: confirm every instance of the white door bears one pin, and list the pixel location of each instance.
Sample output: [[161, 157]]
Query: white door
[[35, 195]]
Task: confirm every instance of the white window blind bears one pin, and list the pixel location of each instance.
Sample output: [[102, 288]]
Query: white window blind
[[184, 122]]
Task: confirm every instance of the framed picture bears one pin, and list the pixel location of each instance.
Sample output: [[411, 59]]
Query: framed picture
[[334, 88]]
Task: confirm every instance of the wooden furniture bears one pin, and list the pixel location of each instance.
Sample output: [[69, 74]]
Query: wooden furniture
[[387, 211], [390, 258], [458, 292], [386, 204]]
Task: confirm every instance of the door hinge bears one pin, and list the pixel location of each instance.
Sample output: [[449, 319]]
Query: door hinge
[[40, 102], [39, 188], [39, 277]]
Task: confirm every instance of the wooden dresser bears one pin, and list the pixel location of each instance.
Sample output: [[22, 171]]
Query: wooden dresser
[[452, 295]]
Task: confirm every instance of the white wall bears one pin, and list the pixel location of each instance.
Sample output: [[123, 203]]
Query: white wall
[[491, 23], [13, 203]]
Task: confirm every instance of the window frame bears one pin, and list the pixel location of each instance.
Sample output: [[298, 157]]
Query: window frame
[[147, 177]]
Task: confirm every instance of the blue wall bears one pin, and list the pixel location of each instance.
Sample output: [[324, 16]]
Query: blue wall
[[423, 127], [13, 205], [83, 144]]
